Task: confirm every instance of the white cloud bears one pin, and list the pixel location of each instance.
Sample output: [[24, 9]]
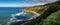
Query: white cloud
[[39, 1], [27, 3], [49, 1]]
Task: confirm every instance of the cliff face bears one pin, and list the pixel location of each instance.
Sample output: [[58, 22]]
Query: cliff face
[[38, 9], [47, 9]]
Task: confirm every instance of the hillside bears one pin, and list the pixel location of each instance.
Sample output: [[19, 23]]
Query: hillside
[[53, 19], [50, 14], [39, 9]]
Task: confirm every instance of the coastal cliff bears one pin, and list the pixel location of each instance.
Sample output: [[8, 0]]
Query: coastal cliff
[[38, 9], [47, 10]]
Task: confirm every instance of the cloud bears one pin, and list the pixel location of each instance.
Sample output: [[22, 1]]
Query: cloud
[[49, 1], [41, 1], [26, 3], [37, 2]]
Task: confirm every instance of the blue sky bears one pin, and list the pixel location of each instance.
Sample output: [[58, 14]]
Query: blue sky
[[10, 3], [22, 3]]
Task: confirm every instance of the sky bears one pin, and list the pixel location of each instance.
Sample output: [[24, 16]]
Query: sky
[[23, 3]]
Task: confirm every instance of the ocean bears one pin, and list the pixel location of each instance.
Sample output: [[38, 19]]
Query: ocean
[[6, 12]]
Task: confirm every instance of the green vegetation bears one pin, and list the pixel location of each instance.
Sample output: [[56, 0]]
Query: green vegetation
[[50, 14], [53, 19]]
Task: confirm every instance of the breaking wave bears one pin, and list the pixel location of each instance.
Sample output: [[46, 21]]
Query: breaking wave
[[13, 17], [24, 17]]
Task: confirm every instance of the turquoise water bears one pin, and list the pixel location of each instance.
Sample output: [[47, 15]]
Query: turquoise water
[[5, 13]]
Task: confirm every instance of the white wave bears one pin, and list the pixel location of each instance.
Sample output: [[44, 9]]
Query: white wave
[[18, 14], [13, 17]]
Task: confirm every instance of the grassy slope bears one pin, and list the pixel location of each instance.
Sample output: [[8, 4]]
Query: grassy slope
[[53, 19]]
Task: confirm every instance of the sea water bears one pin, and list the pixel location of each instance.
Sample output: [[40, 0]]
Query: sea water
[[20, 15], [5, 13]]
